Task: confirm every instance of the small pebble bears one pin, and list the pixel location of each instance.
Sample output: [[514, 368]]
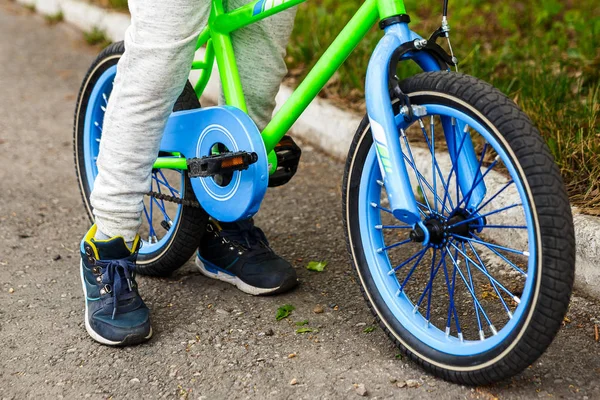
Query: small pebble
[[292, 355], [360, 389], [72, 350], [401, 384], [412, 383], [11, 290], [393, 380], [294, 382], [57, 257], [269, 332], [134, 380], [318, 309]]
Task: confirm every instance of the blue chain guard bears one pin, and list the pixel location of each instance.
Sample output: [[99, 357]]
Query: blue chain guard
[[193, 133]]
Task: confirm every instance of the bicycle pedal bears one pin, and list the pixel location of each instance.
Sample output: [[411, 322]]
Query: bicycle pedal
[[220, 164], [288, 157]]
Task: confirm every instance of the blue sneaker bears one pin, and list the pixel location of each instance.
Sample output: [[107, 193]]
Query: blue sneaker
[[115, 314], [239, 253]]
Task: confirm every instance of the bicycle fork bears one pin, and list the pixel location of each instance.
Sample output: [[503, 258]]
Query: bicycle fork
[[385, 129]]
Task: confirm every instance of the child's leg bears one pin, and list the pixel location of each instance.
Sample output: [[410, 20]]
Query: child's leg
[[251, 264], [260, 50], [159, 48]]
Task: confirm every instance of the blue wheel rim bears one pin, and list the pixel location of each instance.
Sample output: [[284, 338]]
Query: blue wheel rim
[[92, 134], [377, 253]]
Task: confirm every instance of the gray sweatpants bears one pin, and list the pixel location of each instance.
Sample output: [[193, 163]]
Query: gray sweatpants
[[159, 49]]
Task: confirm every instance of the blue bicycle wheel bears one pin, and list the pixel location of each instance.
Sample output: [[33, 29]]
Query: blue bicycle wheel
[[170, 231], [484, 297]]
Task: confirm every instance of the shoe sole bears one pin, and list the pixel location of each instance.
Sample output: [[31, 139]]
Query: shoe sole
[[128, 341], [241, 285]]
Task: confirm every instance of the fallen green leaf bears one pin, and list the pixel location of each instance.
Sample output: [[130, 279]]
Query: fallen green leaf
[[306, 330], [300, 323], [369, 329], [284, 311], [399, 356], [419, 196], [318, 266]]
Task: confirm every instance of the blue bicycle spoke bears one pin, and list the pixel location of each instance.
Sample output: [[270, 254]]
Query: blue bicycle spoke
[[465, 134], [151, 230], [174, 191], [500, 255], [379, 227], [473, 289], [386, 248], [161, 200], [433, 162], [387, 210], [504, 227], [451, 307], [484, 215], [476, 174], [393, 270], [478, 181], [454, 166], [492, 283], [490, 245], [161, 208], [431, 279], [375, 205], [151, 219], [436, 166], [486, 273], [414, 267], [475, 301], [417, 174], [494, 196], [427, 185], [429, 288]]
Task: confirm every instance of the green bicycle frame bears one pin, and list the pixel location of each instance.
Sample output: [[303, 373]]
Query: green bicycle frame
[[217, 39]]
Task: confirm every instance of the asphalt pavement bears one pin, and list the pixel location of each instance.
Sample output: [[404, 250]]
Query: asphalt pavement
[[210, 341]]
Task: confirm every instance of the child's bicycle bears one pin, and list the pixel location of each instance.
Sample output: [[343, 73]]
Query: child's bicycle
[[456, 217]]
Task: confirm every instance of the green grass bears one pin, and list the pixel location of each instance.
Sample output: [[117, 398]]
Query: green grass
[[54, 18], [544, 54], [118, 4], [97, 37]]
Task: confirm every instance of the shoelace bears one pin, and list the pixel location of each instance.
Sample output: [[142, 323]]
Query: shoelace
[[114, 272], [250, 237]]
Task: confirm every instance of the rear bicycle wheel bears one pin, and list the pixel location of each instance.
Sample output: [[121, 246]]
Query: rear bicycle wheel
[[170, 232], [486, 296]]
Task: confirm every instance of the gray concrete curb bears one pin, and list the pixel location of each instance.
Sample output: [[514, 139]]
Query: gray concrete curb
[[322, 124]]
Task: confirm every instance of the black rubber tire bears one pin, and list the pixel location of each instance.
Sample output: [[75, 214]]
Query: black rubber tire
[[545, 188], [192, 222]]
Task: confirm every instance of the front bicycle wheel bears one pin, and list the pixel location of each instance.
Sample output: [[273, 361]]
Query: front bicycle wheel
[[486, 295]]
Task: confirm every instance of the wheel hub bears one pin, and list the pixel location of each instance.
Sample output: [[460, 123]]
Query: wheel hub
[[441, 228]]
